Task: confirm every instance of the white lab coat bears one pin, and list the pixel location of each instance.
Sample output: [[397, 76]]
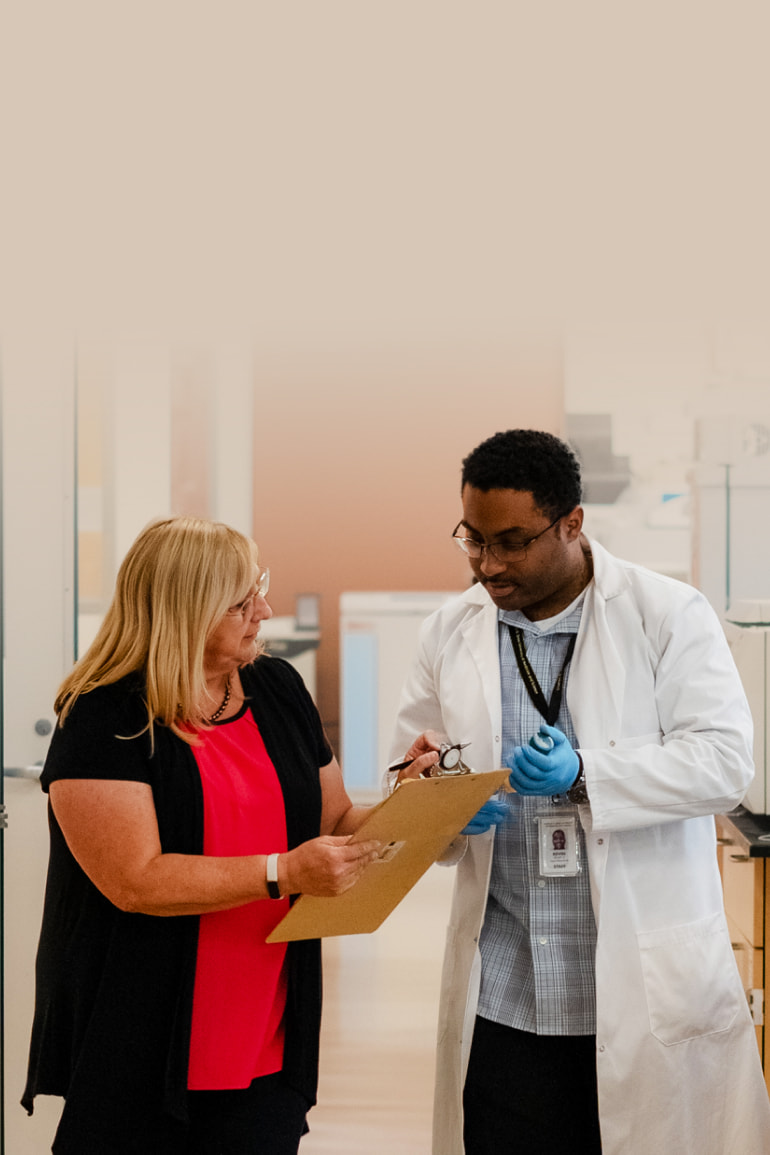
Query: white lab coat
[[665, 732]]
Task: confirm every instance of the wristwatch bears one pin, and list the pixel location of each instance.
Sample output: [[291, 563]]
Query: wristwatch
[[578, 792]]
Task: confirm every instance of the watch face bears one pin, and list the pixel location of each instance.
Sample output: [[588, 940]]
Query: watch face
[[450, 758]]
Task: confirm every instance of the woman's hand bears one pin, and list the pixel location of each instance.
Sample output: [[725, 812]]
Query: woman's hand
[[112, 830], [325, 866]]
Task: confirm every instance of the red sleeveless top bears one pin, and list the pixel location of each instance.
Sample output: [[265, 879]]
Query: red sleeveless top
[[240, 981]]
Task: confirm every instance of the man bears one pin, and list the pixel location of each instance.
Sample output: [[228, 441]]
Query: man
[[607, 1013]]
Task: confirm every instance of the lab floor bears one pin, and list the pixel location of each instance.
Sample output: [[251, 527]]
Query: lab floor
[[379, 1028]]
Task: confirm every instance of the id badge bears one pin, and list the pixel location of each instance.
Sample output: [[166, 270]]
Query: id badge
[[558, 845]]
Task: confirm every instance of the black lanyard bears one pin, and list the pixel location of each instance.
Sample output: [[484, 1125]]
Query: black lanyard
[[549, 710]]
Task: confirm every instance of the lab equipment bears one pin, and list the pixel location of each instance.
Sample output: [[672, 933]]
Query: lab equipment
[[748, 632]]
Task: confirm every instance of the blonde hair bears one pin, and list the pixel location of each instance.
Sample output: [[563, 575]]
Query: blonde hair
[[175, 584]]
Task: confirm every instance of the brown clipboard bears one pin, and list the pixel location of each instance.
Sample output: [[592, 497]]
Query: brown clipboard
[[415, 825]]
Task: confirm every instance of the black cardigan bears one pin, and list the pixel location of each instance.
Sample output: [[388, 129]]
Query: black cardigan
[[113, 1005]]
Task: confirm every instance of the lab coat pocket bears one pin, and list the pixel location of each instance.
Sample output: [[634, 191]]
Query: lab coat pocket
[[689, 980], [652, 738]]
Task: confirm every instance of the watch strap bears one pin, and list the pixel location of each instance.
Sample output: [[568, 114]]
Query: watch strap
[[271, 876], [578, 791]]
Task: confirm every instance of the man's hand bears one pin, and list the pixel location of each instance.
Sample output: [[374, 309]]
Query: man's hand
[[421, 755], [492, 813], [534, 772]]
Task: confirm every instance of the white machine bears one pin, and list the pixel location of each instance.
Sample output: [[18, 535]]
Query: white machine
[[748, 631], [287, 638], [378, 641]]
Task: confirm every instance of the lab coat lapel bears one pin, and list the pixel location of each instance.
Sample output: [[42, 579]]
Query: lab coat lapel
[[596, 685], [480, 636]]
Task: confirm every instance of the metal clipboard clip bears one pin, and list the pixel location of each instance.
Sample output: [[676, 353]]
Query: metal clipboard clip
[[449, 765]]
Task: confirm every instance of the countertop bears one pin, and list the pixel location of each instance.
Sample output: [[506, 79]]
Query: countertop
[[752, 831]]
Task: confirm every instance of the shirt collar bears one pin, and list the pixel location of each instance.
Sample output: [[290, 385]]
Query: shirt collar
[[566, 621]]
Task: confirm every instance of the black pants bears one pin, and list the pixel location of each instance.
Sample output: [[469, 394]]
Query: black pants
[[528, 1094], [267, 1118]]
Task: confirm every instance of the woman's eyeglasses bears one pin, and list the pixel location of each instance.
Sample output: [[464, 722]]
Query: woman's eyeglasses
[[246, 607]]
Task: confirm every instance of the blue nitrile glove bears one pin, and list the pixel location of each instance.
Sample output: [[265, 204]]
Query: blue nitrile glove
[[492, 813], [535, 772]]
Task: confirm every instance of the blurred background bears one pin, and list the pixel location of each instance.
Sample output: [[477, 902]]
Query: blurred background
[[285, 265]]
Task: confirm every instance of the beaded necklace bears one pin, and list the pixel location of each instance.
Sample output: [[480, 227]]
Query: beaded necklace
[[218, 713]]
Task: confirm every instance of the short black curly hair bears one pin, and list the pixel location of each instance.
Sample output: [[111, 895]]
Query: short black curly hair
[[531, 461]]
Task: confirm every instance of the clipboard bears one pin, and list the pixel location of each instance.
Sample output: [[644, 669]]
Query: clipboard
[[415, 825]]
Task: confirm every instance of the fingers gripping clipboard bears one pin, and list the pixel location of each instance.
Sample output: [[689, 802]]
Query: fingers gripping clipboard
[[415, 825]]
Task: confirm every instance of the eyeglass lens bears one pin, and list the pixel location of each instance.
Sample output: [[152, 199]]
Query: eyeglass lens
[[501, 550], [498, 549], [247, 605]]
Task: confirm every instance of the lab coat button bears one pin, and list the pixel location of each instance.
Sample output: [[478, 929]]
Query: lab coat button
[[497, 737], [600, 842], [601, 1049], [612, 741]]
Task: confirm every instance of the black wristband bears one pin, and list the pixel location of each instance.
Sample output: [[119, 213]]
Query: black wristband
[[578, 792]]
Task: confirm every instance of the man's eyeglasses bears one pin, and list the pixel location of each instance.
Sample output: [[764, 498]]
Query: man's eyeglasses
[[246, 607], [503, 550]]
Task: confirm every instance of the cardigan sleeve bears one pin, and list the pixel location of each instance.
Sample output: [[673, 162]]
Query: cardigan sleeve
[[104, 736]]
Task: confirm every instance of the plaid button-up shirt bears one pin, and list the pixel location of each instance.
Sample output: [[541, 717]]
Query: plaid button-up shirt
[[539, 936]]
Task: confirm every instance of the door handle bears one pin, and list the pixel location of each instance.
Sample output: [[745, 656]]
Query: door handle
[[32, 772]]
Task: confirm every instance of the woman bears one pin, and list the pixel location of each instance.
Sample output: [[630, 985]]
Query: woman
[[191, 792]]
